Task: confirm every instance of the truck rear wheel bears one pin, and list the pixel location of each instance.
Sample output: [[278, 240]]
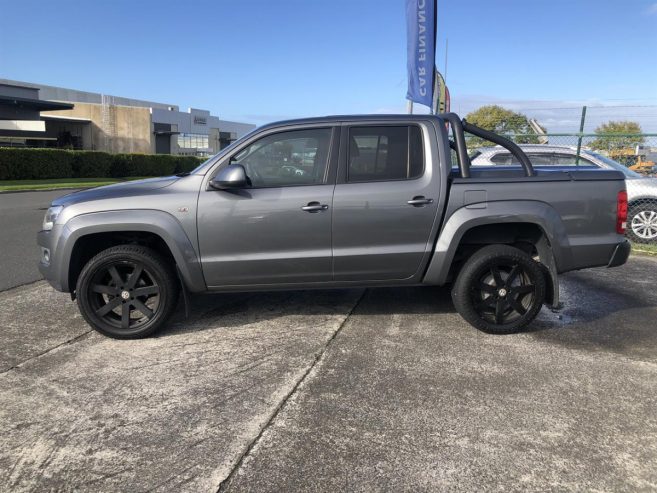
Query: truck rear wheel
[[127, 291], [499, 290]]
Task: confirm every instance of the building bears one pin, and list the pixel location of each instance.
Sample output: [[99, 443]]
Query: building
[[36, 115]]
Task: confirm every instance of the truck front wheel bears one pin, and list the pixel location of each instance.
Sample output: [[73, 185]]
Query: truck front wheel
[[499, 290], [127, 291]]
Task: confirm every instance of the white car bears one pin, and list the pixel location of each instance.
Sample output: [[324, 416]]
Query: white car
[[641, 191]]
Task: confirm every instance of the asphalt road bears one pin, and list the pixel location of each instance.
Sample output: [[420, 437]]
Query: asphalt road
[[375, 390], [21, 215]]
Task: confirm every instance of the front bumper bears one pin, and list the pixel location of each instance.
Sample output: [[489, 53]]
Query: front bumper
[[620, 255], [47, 262]]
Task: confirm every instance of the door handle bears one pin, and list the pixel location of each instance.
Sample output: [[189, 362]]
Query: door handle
[[314, 207], [419, 201]]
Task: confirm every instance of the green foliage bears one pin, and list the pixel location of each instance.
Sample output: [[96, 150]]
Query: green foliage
[[501, 121], [614, 136], [38, 164], [125, 165], [91, 164], [26, 164]]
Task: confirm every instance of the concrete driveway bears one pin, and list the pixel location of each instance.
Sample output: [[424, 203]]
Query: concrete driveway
[[375, 390]]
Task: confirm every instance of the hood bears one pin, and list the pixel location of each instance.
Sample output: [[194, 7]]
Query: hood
[[117, 190]]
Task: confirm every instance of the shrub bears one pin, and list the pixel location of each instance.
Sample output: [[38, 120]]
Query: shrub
[[151, 165], [38, 164], [34, 164], [187, 163], [91, 164]]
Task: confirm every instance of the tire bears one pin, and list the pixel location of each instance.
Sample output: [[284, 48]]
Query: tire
[[107, 290], [499, 290], [642, 222]]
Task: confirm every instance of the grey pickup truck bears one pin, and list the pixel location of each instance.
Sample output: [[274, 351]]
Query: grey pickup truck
[[337, 202]]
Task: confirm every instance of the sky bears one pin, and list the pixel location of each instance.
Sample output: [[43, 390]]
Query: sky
[[259, 61]]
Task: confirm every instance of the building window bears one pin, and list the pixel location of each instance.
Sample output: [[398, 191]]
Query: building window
[[199, 143]]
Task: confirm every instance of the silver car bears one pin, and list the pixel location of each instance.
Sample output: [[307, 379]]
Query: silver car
[[641, 190]]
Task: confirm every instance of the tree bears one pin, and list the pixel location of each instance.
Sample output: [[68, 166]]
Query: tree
[[618, 137], [502, 121]]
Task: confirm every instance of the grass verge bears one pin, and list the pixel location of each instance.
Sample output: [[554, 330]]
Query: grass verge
[[55, 183], [644, 249]]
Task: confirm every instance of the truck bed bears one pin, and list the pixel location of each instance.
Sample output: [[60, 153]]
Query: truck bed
[[578, 206]]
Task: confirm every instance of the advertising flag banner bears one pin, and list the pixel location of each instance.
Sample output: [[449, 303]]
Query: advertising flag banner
[[421, 50], [441, 94]]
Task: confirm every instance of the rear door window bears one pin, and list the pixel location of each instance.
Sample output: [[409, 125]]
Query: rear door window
[[385, 153]]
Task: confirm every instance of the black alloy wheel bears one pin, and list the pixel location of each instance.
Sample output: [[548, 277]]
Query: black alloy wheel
[[127, 291], [126, 295], [504, 293], [500, 289]]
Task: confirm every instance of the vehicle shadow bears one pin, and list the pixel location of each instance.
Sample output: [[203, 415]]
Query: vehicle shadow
[[602, 310], [234, 310]]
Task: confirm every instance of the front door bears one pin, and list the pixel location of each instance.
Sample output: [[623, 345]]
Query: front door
[[278, 230], [385, 203]]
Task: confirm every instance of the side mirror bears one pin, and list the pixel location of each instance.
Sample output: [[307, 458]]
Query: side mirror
[[229, 178]]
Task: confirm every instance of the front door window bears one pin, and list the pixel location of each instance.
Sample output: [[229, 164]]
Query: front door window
[[293, 158]]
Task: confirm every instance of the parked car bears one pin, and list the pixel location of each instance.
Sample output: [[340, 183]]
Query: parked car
[[379, 206], [641, 190]]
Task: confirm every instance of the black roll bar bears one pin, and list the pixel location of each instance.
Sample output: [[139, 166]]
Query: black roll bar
[[504, 142], [459, 137], [460, 126]]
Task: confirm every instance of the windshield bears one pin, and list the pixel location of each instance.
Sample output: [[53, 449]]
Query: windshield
[[616, 165]]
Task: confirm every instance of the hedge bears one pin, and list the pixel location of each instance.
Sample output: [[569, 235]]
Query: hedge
[[39, 164]]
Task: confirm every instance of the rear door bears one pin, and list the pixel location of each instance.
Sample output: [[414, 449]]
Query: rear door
[[385, 202]]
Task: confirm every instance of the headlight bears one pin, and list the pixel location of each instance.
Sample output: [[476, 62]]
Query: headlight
[[51, 217]]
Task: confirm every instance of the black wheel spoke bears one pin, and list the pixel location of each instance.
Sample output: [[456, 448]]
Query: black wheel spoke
[[146, 291], [108, 307], [486, 304], [517, 306], [499, 311], [486, 288], [525, 289], [115, 276], [515, 270], [495, 271], [125, 316], [103, 289], [490, 301], [134, 277], [143, 308]]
